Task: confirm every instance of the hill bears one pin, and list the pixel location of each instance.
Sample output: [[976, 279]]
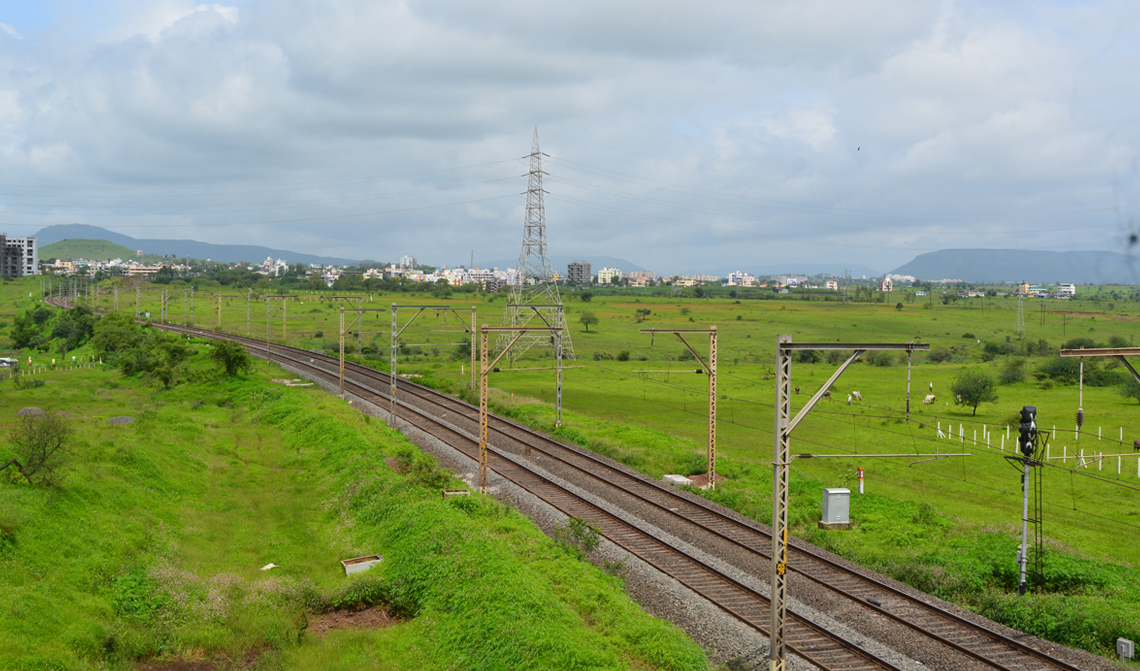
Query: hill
[[182, 248], [92, 250], [1014, 265]]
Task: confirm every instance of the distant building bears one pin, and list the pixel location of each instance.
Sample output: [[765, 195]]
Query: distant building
[[887, 284], [832, 285], [606, 275], [741, 279], [1066, 291], [407, 262], [579, 272], [18, 257]]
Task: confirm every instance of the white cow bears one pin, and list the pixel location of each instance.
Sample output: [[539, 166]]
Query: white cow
[[857, 396], [928, 400]]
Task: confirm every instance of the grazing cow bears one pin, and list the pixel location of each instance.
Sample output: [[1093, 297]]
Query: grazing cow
[[928, 400], [797, 388], [857, 396], [959, 398], [827, 394]]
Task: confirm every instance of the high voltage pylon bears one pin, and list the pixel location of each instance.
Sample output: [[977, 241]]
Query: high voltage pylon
[[1019, 325], [537, 285]]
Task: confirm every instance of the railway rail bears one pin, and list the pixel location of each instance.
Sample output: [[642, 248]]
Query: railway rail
[[515, 448]]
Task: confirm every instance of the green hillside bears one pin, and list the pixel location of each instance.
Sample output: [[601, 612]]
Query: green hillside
[[92, 250]]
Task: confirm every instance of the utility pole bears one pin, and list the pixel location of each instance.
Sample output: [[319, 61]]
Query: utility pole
[[191, 306], [248, 299], [709, 369], [138, 301], [1028, 443], [394, 331], [781, 468], [116, 290], [1019, 323], [485, 369]]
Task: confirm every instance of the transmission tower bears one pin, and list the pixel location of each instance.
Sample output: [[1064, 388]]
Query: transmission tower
[[1019, 325], [536, 280]]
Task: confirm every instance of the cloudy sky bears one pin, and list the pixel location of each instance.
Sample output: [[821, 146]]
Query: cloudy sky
[[682, 136]]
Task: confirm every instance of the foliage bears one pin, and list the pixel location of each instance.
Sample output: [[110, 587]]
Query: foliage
[[231, 357], [973, 387], [580, 537], [586, 296], [940, 355], [588, 319], [39, 327], [43, 448], [1012, 371], [1067, 370], [1129, 388]]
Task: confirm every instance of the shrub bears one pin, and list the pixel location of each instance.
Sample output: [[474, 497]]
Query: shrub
[[231, 357], [1012, 371], [971, 336], [940, 355], [623, 355]]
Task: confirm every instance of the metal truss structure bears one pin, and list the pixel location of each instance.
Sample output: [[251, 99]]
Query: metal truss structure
[[395, 332], [537, 283], [781, 467], [486, 367]]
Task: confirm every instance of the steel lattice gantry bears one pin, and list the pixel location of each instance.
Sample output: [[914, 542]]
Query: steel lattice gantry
[[537, 283]]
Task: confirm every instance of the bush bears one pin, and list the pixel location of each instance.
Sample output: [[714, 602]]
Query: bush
[[1012, 371], [971, 336], [231, 357], [940, 355], [623, 355]]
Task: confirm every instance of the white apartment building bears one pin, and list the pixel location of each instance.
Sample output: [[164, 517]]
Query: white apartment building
[[18, 257], [606, 275], [1066, 291]]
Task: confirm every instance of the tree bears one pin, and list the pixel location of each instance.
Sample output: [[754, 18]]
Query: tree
[[898, 306], [43, 448], [586, 296], [1129, 388], [588, 319], [972, 387], [232, 357]]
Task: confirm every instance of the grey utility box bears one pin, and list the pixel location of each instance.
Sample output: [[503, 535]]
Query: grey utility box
[[836, 509], [1125, 648]]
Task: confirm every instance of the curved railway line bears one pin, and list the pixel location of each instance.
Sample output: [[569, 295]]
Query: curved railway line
[[939, 638]]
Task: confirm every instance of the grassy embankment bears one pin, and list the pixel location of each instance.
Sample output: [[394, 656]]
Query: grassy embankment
[[152, 545]]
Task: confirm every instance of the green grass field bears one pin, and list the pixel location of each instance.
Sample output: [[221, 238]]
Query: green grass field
[[950, 526], [151, 548]]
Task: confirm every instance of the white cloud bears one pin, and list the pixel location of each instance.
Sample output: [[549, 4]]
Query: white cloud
[[685, 134]]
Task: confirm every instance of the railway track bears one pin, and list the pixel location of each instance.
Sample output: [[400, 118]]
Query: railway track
[[515, 448]]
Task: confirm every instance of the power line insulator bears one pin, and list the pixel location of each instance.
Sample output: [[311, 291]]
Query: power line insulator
[[1080, 418]]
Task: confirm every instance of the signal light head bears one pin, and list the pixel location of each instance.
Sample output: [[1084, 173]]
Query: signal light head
[[1027, 430]]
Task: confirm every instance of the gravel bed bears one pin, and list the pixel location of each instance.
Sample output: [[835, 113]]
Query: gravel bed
[[122, 419], [30, 411]]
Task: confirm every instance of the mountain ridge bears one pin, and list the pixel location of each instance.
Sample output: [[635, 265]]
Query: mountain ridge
[[183, 248], [1015, 265]]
